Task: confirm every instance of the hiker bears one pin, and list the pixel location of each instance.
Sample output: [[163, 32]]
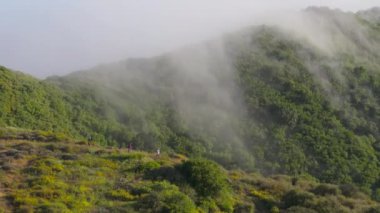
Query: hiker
[[129, 147], [158, 152]]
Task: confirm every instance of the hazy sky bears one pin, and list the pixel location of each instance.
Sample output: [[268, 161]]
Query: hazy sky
[[50, 37]]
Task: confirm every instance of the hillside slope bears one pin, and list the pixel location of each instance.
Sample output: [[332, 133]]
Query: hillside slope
[[266, 99], [30, 103], [68, 176]]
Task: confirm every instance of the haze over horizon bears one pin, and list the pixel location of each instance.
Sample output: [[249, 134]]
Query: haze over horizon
[[46, 38]]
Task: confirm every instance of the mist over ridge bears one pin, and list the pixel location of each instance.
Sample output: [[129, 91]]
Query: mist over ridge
[[201, 85], [271, 112], [64, 37]]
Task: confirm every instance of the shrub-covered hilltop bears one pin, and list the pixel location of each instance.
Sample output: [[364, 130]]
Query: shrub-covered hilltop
[[301, 100], [41, 172]]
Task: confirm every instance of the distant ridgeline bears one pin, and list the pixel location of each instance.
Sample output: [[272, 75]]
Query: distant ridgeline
[[263, 99]]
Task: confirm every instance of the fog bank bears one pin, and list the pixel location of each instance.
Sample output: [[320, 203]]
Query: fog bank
[[57, 37]]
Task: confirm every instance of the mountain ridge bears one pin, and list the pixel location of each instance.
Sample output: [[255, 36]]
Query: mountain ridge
[[261, 100]]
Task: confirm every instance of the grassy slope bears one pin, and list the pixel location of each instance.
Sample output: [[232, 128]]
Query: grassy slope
[[69, 176], [77, 176]]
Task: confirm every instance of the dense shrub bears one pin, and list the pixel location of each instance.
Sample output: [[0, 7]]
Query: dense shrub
[[165, 197], [52, 207], [119, 194], [375, 209], [208, 205], [225, 201], [296, 198], [326, 189], [299, 209], [350, 190], [69, 157], [168, 173], [207, 178], [146, 166], [327, 205], [244, 208]]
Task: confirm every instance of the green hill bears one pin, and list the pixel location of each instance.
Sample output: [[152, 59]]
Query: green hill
[[30, 103], [266, 99], [68, 176]]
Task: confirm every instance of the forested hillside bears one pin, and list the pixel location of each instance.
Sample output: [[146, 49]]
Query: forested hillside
[[267, 99]]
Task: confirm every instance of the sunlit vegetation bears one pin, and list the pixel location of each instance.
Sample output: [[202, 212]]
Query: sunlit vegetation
[[309, 116], [75, 177]]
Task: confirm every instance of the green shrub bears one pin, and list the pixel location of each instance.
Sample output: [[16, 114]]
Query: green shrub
[[207, 178], [140, 189], [61, 137], [24, 209], [244, 208], [21, 198], [45, 136], [376, 194], [299, 209], [119, 194], [165, 197], [66, 148], [45, 166], [52, 207], [208, 205], [326, 189], [274, 209], [296, 198], [263, 196], [225, 201], [350, 190], [46, 193], [146, 166], [168, 173], [327, 205], [69, 157], [127, 156], [375, 209]]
